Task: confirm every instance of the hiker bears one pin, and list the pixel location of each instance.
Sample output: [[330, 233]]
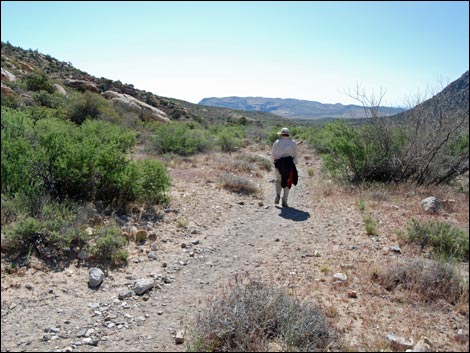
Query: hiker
[[284, 157]]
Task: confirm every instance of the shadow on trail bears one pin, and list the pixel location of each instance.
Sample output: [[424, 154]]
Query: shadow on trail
[[293, 214]]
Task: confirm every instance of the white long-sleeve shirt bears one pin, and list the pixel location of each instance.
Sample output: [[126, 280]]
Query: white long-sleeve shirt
[[284, 147]]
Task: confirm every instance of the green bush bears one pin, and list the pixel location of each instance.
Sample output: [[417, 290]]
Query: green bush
[[18, 153], [446, 241], [229, 138], [181, 138], [42, 112], [86, 162], [109, 245], [11, 101], [47, 99], [38, 82], [365, 153], [145, 180], [155, 181], [426, 149], [90, 105], [50, 234], [79, 162]]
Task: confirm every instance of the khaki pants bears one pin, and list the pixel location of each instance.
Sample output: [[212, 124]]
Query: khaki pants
[[278, 186]]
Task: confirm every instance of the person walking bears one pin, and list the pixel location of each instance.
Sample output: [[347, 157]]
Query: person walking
[[284, 158]]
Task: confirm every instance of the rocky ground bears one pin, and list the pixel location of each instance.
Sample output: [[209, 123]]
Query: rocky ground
[[209, 235]]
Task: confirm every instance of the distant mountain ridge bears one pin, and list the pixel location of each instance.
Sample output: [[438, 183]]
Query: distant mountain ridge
[[294, 108]]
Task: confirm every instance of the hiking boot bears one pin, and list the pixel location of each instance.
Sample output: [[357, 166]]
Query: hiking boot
[[277, 199], [284, 204]]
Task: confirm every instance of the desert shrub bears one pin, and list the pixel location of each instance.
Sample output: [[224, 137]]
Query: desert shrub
[[248, 316], [47, 99], [11, 101], [145, 180], [51, 234], [272, 136], [79, 162], [39, 112], [18, 153], [446, 241], [229, 138], [430, 279], [86, 162], [365, 153], [437, 148], [295, 133], [109, 245], [227, 142], [88, 105], [318, 137], [426, 146], [238, 184], [181, 138], [370, 224], [259, 161], [38, 82], [239, 166]]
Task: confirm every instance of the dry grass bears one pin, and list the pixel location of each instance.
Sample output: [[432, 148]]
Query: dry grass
[[238, 184], [250, 316], [430, 280]]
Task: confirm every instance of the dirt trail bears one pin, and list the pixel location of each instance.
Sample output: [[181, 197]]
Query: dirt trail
[[214, 235]]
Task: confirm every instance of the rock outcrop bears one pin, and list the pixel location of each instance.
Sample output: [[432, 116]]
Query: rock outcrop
[[82, 85], [131, 104], [7, 75]]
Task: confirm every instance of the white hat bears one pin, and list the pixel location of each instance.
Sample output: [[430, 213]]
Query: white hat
[[284, 131]]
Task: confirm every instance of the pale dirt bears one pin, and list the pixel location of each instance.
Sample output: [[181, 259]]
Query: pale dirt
[[297, 248]]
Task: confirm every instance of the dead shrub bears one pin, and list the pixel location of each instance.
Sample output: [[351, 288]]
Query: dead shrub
[[238, 184], [430, 279], [249, 317], [261, 162]]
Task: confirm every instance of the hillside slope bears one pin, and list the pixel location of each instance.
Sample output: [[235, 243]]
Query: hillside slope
[[20, 63], [452, 102]]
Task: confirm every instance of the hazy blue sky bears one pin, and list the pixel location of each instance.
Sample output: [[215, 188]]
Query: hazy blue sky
[[306, 50]]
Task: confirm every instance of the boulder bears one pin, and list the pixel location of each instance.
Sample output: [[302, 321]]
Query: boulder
[[7, 91], [7, 75], [143, 285], [82, 85], [96, 277], [431, 204], [59, 89], [131, 104], [424, 345]]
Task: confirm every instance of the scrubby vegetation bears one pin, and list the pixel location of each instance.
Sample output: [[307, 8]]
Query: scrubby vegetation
[[430, 280], [66, 147], [386, 152], [445, 240], [250, 316]]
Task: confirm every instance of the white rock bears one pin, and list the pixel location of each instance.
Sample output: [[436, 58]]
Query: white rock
[[143, 285], [96, 277]]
